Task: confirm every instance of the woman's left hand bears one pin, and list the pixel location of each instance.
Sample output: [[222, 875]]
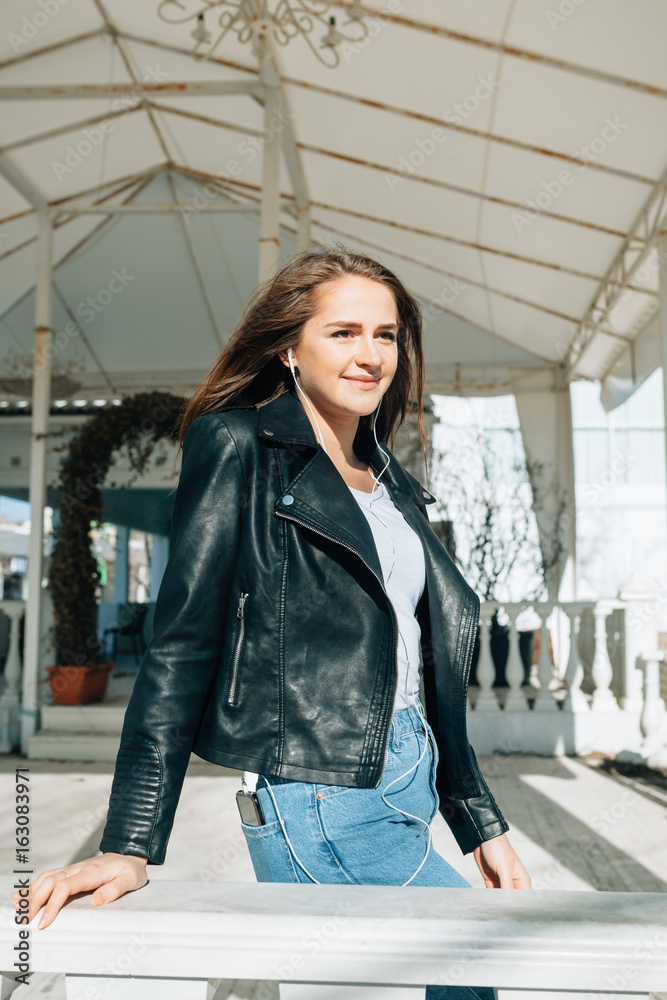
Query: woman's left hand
[[500, 865]]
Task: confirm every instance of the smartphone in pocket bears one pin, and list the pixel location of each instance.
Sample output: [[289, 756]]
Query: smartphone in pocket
[[250, 808]]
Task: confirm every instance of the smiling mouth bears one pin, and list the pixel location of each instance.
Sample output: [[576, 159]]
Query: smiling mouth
[[363, 381]]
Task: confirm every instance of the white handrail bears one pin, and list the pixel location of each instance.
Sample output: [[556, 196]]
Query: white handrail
[[192, 932]]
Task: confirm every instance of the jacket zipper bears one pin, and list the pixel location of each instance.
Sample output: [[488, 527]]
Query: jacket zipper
[[237, 649], [469, 644], [325, 534]]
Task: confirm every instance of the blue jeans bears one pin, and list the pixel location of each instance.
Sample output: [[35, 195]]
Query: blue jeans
[[340, 834]]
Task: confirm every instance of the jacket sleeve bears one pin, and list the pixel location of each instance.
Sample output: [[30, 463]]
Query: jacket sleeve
[[475, 818], [179, 665], [466, 802]]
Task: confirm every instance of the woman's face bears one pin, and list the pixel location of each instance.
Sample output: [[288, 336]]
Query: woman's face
[[348, 351]]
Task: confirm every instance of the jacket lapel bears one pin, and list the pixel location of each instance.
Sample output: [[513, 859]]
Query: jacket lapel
[[318, 497]]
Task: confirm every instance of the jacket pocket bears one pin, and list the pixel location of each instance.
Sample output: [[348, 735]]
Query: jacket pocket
[[237, 651]]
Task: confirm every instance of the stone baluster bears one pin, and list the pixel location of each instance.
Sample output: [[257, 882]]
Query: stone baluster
[[486, 670], [653, 748], [544, 699], [514, 671], [575, 700], [603, 699], [11, 696]]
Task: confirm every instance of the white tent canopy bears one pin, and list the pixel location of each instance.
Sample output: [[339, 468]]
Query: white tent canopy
[[506, 157]]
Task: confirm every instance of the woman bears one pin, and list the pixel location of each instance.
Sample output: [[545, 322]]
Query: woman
[[303, 583]]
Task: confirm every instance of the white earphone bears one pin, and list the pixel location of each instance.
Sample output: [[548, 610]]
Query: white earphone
[[376, 479]]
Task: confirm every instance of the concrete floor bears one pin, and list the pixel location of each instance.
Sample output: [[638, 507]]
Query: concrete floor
[[574, 826]]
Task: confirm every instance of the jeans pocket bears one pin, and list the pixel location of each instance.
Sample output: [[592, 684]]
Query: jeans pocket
[[434, 759], [269, 853]]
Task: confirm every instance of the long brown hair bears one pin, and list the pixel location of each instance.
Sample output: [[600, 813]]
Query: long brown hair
[[248, 369]]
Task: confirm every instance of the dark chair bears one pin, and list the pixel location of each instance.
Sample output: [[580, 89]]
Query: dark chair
[[130, 623]]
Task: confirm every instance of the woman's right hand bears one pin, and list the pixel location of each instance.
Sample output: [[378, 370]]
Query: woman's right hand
[[107, 875]]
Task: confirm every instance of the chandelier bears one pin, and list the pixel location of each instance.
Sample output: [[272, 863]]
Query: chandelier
[[283, 19]]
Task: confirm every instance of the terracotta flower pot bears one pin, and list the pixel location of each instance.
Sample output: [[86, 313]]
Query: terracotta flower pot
[[79, 685]]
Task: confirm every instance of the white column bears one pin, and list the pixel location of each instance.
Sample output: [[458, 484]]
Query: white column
[[545, 419], [39, 428], [565, 465], [270, 206], [662, 294]]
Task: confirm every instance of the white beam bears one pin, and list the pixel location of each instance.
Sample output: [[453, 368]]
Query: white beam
[[641, 237], [269, 220], [198, 271], [167, 207], [14, 176], [41, 400], [77, 91], [283, 124]]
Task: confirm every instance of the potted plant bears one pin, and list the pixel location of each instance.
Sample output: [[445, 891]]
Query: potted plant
[[81, 673]]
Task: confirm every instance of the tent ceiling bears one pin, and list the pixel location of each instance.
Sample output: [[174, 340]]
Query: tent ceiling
[[429, 146]]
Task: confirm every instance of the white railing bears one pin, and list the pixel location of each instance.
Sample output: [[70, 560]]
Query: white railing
[[176, 940], [562, 708], [11, 695]]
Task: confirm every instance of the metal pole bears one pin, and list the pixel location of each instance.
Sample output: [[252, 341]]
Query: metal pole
[[270, 207], [662, 293], [41, 399]]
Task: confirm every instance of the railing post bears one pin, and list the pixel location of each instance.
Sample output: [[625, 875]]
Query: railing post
[[603, 699], [575, 699], [544, 699], [514, 672]]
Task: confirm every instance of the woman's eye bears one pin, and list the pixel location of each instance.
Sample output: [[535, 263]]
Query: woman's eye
[[391, 336]]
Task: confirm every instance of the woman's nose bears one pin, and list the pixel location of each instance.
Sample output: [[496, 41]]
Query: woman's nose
[[368, 352]]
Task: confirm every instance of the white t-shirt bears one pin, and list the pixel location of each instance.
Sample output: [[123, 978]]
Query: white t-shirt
[[402, 560]]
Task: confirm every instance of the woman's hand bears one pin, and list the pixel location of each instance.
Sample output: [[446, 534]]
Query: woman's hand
[[500, 865], [109, 875]]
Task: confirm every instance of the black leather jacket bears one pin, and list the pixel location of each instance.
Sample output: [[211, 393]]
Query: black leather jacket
[[275, 641]]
